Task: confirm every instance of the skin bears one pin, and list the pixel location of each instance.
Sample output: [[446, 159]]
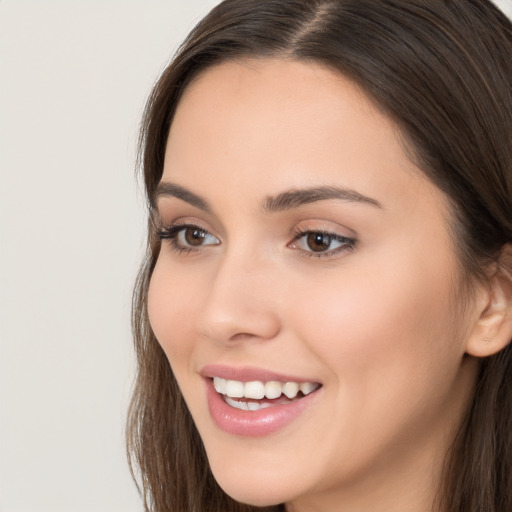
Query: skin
[[377, 324]]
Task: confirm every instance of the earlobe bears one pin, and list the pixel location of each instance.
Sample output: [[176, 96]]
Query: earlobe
[[493, 329]]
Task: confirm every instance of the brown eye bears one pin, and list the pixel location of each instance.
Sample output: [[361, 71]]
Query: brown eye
[[187, 238], [318, 242], [194, 236]]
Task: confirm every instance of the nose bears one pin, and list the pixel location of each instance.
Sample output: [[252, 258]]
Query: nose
[[240, 303]]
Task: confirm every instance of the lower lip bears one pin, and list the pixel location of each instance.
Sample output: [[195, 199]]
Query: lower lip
[[253, 423]]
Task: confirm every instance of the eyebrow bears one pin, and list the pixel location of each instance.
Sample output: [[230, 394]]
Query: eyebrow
[[166, 189], [281, 202], [295, 198]]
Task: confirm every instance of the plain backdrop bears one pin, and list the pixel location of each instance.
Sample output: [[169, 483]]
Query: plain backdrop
[[74, 75]]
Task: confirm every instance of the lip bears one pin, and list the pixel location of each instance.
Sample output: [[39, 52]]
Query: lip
[[248, 374], [252, 423]]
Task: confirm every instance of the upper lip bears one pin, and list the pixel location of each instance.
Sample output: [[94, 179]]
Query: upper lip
[[248, 374]]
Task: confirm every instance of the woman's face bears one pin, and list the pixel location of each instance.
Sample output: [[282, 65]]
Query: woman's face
[[301, 246]]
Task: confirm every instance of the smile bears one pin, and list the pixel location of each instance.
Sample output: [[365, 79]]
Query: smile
[[261, 394], [254, 403]]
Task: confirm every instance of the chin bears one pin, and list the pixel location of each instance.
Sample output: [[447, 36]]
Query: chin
[[254, 495], [259, 489]]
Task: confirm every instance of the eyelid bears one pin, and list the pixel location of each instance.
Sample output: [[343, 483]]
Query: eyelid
[[169, 214], [348, 243], [173, 231]]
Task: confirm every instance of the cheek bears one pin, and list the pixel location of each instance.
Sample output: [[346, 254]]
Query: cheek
[[373, 327], [172, 299], [387, 344]]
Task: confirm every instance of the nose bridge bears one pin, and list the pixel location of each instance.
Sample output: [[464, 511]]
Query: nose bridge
[[240, 302]]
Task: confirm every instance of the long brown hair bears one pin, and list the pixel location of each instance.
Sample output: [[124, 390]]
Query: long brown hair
[[442, 69]]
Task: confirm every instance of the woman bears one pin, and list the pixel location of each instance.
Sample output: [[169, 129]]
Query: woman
[[324, 316]]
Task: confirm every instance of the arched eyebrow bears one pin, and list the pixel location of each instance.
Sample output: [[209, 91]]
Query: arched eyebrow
[[298, 197], [284, 201], [167, 189]]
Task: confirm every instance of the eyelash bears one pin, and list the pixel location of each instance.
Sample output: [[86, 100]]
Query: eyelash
[[347, 244], [171, 233]]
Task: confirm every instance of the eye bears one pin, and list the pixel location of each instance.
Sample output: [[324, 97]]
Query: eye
[[320, 243], [195, 237], [187, 237]]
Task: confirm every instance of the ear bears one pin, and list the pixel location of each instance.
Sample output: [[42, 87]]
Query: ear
[[493, 328]]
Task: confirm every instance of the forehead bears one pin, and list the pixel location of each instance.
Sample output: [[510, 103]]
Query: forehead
[[285, 79], [291, 120], [267, 125], [296, 89]]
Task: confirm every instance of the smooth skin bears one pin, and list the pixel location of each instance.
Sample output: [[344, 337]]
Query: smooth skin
[[376, 321]]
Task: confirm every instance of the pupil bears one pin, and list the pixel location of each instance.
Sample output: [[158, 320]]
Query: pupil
[[318, 242], [194, 236]]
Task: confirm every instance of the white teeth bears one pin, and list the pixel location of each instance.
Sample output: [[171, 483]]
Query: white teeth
[[257, 390], [273, 389], [220, 385], [254, 390], [246, 406], [236, 404], [290, 389], [234, 388], [307, 387]]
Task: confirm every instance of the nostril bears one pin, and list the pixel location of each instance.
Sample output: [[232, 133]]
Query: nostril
[[242, 336]]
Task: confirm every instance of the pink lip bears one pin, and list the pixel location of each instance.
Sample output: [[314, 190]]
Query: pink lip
[[248, 373], [251, 423]]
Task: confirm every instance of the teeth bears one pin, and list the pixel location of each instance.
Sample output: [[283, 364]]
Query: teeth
[[273, 389], [307, 387], [234, 388], [237, 405], [220, 385], [254, 390], [290, 389], [254, 406], [258, 390], [246, 406]]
